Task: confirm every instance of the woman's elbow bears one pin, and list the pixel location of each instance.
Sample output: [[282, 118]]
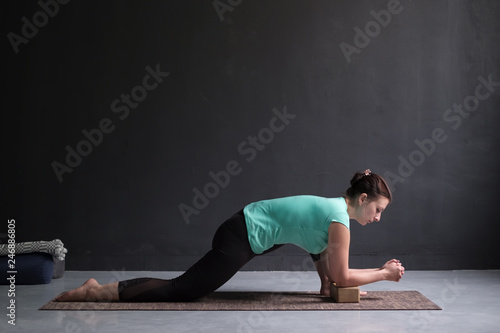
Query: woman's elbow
[[341, 279], [342, 283]]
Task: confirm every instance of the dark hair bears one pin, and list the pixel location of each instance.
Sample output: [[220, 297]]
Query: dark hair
[[371, 184]]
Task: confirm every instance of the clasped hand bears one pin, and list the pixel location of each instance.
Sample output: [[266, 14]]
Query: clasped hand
[[394, 269]]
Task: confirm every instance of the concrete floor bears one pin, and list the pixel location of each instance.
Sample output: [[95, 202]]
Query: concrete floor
[[470, 302]]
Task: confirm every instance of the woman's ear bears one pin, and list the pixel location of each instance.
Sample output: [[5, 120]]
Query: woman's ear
[[362, 198]]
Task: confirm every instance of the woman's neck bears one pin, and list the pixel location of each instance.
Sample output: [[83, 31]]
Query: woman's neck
[[350, 209]]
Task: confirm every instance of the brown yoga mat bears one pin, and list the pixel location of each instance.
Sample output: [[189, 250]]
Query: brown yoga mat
[[264, 301]]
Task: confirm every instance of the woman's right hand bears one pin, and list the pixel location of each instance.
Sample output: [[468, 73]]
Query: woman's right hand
[[394, 270]]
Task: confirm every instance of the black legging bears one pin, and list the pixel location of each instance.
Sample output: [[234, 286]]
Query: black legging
[[230, 251]]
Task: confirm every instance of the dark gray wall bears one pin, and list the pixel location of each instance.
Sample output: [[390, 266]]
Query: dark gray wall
[[411, 102]]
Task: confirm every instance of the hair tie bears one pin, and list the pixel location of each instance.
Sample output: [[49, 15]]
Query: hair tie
[[367, 172]]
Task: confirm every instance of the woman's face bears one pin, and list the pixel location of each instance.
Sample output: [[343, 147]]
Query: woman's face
[[369, 211]]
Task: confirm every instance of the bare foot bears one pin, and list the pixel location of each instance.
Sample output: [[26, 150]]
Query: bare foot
[[362, 293], [88, 292]]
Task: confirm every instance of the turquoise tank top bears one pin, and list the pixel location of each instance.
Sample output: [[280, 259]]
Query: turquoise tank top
[[300, 220]]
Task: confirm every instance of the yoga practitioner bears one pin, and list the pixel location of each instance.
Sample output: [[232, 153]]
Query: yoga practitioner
[[316, 224]]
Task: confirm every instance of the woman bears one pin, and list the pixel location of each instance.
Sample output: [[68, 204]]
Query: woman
[[318, 225]]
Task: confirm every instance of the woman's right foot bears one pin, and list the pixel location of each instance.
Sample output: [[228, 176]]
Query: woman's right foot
[[90, 291]]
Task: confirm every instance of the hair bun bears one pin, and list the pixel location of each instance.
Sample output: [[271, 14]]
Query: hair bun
[[357, 176], [370, 183]]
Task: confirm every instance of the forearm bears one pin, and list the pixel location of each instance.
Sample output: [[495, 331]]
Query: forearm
[[364, 269], [355, 277], [359, 277]]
